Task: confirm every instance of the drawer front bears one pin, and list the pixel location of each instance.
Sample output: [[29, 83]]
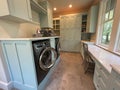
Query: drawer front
[[116, 85], [101, 77], [103, 72], [115, 75], [96, 78], [103, 83]]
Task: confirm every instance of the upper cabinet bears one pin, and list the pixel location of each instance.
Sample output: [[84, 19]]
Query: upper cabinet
[[84, 23], [31, 11], [46, 20], [56, 23], [92, 18], [18, 10]]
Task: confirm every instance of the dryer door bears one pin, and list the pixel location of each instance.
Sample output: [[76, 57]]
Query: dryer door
[[47, 58]]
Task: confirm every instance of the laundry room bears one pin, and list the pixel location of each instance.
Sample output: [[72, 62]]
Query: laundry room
[[59, 45]]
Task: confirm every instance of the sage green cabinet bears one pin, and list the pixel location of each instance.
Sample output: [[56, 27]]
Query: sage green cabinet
[[115, 80], [101, 77], [20, 62], [46, 19], [18, 10], [92, 18]]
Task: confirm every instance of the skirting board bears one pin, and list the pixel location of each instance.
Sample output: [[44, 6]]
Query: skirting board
[[6, 86]]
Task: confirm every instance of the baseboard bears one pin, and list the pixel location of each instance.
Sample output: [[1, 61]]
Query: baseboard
[[6, 86]]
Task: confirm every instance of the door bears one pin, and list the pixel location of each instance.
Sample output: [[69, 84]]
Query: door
[[70, 32], [47, 58], [20, 9]]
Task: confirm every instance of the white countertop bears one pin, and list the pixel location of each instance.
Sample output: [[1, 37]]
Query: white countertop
[[87, 42], [104, 57], [31, 39], [116, 68]]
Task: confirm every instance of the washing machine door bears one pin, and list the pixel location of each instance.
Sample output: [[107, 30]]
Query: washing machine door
[[47, 58]]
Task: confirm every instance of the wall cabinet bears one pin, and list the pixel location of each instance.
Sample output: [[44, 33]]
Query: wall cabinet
[[56, 23], [70, 32], [18, 10], [84, 23], [46, 19], [20, 62], [92, 18], [21, 11]]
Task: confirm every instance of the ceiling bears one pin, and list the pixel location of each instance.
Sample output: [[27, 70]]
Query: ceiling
[[78, 5]]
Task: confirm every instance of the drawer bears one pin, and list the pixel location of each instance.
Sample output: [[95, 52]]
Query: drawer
[[103, 83], [96, 80], [115, 75], [102, 71], [101, 76]]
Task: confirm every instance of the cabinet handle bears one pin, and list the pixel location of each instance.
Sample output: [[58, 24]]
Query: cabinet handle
[[100, 68], [98, 86]]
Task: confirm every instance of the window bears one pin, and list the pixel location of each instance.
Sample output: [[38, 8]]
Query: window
[[118, 46], [108, 22], [118, 41], [108, 34]]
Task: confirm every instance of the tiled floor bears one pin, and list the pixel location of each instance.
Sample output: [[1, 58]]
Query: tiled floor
[[69, 75]]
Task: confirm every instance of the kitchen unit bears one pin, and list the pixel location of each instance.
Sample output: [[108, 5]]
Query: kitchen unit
[[70, 32], [56, 25], [21, 66], [46, 19], [12, 9], [106, 74], [92, 19], [29, 11]]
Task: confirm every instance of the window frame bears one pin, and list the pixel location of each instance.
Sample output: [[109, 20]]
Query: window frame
[[102, 22], [115, 27]]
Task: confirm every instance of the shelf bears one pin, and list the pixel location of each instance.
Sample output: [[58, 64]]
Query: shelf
[[35, 5], [56, 24], [84, 23]]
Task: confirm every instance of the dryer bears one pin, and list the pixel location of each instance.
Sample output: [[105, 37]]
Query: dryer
[[44, 58], [57, 46]]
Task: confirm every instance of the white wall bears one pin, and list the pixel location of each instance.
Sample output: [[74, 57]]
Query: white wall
[[14, 30]]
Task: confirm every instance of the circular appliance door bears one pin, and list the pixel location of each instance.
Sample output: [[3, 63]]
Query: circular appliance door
[[47, 58]]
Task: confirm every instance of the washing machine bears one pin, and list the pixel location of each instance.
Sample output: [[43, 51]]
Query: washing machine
[[57, 46], [44, 58]]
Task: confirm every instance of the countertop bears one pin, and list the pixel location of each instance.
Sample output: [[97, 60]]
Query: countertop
[[87, 42], [31, 39], [106, 58], [116, 68]]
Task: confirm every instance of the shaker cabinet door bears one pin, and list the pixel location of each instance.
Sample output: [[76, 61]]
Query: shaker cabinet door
[[16, 9]]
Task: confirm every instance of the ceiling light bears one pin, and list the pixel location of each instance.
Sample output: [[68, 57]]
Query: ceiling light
[[70, 6], [55, 9]]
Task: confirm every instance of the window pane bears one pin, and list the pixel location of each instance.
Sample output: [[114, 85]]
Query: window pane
[[111, 14], [106, 16], [106, 32], [118, 43]]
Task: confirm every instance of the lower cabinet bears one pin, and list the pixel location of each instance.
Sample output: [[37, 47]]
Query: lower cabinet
[[115, 81], [81, 50], [19, 59], [101, 77], [103, 80]]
